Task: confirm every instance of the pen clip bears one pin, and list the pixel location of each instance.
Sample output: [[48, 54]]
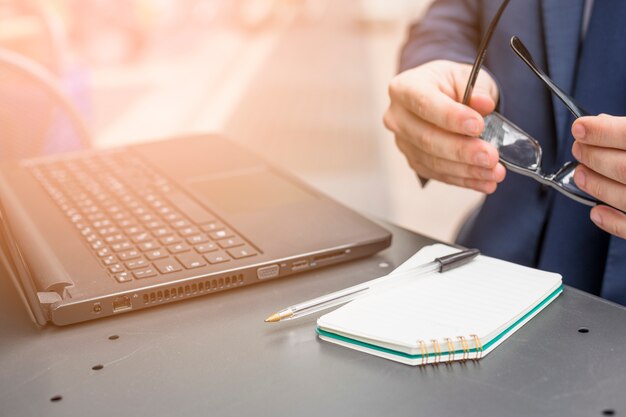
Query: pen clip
[[457, 259]]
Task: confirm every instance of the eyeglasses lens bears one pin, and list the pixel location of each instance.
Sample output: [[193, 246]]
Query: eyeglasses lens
[[514, 145]]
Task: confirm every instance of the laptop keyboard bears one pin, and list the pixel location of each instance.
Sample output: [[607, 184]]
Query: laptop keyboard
[[135, 221]]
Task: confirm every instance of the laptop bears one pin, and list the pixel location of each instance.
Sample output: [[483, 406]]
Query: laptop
[[99, 233]]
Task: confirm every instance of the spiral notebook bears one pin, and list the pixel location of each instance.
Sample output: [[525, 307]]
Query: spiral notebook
[[461, 314]]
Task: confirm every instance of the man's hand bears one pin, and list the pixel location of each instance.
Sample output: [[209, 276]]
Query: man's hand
[[437, 134], [600, 147]]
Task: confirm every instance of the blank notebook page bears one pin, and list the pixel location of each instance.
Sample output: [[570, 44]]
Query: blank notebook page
[[483, 297]]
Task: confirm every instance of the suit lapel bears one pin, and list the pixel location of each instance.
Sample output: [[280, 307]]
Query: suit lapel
[[562, 20]]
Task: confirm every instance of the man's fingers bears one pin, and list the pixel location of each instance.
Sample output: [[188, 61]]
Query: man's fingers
[[435, 141], [609, 220], [486, 187], [601, 187], [452, 168], [438, 134], [606, 161], [429, 103], [606, 131]]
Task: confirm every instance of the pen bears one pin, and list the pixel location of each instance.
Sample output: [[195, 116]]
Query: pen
[[441, 264]]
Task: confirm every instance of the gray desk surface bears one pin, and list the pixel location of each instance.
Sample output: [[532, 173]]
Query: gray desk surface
[[214, 356]]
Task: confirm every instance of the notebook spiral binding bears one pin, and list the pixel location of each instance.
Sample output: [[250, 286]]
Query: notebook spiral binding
[[479, 346], [465, 345], [437, 350], [450, 349], [424, 352]]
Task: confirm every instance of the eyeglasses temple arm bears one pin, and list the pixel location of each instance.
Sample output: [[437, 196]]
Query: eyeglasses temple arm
[[524, 54], [482, 51]]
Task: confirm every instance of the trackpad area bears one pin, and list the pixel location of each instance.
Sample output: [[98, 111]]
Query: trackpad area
[[249, 192]]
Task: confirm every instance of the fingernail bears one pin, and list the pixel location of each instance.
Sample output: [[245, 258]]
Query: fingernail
[[579, 178], [596, 218], [471, 126], [482, 159], [579, 132], [576, 151]]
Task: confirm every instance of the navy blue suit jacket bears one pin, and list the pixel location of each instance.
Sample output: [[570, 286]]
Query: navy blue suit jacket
[[518, 222]]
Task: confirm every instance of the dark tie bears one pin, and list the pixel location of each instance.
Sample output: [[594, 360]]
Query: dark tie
[[573, 245]]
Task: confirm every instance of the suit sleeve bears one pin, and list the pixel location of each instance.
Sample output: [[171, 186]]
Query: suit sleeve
[[450, 30]]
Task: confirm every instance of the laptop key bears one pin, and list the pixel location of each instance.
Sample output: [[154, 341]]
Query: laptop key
[[169, 240], [136, 264], [142, 237], [177, 224], [156, 254], [154, 224], [212, 226], [165, 266], [124, 223], [221, 234], [119, 216], [147, 217], [172, 217], [118, 247], [96, 216], [206, 247], [129, 254], [110, 230], [123, 277], [134, 230], [230, 243], [164, 210], [188, 231], [109, 260], [97, 245], [162, 232], [115, 268], [191, 260], [178, 248], [217, 257], [196, 239], [146, 246], [115, 238], [241, 252], [144, 272], [102, 223]]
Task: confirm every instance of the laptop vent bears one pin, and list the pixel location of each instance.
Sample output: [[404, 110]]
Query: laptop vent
[[191, 290]]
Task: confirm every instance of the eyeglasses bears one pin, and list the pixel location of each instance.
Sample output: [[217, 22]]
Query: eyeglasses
[[520, 152]]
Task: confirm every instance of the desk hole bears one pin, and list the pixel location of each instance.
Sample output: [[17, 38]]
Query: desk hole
[[583, 330], [608, 412], [58, 398], [97, 367], [114, 337]]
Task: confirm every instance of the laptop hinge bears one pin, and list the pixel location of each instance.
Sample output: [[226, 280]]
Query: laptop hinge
[[47, 300]]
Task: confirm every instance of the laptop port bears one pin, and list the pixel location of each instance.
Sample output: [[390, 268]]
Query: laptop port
[[329, 256], [266, 272], [121, 304], [299, 265]]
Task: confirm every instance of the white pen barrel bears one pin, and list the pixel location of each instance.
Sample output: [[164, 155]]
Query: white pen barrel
[[330, 303]]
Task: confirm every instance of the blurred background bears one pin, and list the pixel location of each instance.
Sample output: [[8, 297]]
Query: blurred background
[[301, 82]]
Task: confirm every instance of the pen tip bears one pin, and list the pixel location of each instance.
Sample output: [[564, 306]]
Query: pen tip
[[273, 318]]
